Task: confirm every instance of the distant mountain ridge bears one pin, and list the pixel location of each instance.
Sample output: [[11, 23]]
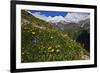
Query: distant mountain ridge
[[74, 17]]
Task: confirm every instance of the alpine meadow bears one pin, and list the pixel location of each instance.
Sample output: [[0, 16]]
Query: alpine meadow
[[54, 36]]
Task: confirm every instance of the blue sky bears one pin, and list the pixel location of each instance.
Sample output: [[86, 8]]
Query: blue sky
[[50, 13]]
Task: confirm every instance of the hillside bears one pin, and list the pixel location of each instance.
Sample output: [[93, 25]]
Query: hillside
[[79, 32], [40, 41]]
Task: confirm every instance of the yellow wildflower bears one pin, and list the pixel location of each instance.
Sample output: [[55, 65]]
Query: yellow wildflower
[[51, 37], [33, 32], [49, 48], [57, 50], [52, 50], [57, 46]]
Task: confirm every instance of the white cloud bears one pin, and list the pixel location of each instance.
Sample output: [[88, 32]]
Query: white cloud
[[39, 15]]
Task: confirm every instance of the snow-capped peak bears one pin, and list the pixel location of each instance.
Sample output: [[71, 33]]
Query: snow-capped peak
[[76, 17]]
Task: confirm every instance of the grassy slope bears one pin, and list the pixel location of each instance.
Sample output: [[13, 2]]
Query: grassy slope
[[43, 42]]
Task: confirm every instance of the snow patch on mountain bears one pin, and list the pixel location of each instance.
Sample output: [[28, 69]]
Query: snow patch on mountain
[[77, 17]]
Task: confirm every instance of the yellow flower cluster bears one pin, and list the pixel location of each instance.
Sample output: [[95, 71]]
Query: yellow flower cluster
[[50, 49], [57, 46]]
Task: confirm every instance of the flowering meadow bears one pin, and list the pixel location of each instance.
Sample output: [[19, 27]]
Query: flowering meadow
[[41, 42]]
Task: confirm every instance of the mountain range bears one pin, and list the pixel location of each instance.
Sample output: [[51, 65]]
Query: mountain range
[[71, 20], [74, 17]]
